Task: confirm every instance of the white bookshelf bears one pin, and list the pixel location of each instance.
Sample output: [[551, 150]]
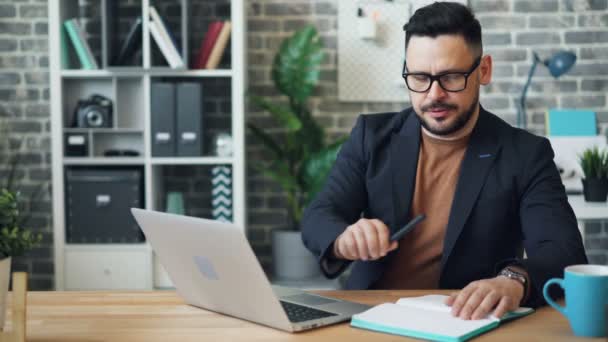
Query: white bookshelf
[[132, 266]]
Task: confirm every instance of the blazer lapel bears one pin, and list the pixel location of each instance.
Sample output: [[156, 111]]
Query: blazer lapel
[[405, 146], [481, 153]]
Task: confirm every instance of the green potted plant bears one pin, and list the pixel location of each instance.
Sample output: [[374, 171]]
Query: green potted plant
[[14, 239], [299, 157], [594, 163]]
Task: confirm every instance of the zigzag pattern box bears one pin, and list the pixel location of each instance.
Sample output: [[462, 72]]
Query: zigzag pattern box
[[221, 193]]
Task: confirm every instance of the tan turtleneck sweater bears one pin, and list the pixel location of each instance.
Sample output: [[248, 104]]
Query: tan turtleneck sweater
[[418, 260]]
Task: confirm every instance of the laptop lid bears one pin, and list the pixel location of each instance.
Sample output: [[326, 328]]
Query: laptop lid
[[212, 266]]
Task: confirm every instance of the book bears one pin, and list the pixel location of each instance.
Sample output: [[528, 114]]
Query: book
[[163, 30], [131, 44], [427, 317], [219, 47], [65, 52], [213, 31], [164, 48], [570, 122], [82, 48]]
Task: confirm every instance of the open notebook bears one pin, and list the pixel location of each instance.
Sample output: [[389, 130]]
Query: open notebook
[[427, 317]]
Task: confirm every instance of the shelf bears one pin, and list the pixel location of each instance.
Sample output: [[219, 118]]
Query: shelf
[[102, 130], [135, 72], [192, 160], [107, 247], [102, 161], [129, 85], [190, 73], [80, 73]]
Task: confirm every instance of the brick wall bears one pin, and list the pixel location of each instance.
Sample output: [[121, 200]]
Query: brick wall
[[24, 110], [512, 29]]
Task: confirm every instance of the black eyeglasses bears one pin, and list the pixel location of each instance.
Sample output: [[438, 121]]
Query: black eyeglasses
[[421, 82]]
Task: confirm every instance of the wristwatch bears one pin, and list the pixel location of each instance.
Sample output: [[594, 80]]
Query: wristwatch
[[511, 274]]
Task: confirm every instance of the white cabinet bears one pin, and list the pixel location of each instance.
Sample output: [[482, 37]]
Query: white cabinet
[[113, 265], [102, 268]]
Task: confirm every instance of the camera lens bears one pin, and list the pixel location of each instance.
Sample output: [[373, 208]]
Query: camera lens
[[94, 118]]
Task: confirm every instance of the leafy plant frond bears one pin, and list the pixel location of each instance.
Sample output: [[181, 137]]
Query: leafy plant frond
[[283, 115], [14, 241], [300, 159]]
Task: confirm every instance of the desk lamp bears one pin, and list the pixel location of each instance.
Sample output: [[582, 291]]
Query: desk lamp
[[559, 64]]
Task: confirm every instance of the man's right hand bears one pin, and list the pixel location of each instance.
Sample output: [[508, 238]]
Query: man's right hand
[[364, 240]]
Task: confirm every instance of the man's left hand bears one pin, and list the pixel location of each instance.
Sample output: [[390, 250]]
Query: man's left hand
[[481, 297]]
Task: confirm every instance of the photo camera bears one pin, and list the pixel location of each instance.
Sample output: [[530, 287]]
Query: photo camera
[[93, 112]]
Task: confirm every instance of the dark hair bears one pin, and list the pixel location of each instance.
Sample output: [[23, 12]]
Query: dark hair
[[445, 18]]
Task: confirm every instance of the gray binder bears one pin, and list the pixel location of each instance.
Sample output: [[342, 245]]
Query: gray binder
[[189, 122], [163, 119]]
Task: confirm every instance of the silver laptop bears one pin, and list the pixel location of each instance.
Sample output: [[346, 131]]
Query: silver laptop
[[213, 267]]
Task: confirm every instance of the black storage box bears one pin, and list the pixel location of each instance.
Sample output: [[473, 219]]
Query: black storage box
[[98, 203]]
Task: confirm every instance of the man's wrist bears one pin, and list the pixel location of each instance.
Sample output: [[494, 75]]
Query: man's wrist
[[519, 275]]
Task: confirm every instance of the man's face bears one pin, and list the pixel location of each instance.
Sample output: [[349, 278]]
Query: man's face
[[442, 112]]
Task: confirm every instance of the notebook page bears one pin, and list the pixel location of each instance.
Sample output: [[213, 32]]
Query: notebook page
[[405, 320], [436, 303], [429, 302]]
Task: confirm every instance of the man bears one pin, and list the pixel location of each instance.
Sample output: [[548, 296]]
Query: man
[[488, 190]]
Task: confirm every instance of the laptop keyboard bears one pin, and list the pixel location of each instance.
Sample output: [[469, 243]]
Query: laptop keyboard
[[300, 313]]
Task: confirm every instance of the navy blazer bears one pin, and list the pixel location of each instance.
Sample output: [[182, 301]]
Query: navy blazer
[[509, 197]]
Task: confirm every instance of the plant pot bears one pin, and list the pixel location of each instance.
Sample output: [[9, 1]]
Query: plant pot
[[291, 259], [595, 190], [5, 273]]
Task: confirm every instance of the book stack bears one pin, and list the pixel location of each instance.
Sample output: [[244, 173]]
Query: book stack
[[164, 41], [213, 45], [77, 37]]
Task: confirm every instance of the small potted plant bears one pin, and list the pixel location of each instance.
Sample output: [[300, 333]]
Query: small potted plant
[[15, 212], [299, 158], [594, 163], [14, 241]]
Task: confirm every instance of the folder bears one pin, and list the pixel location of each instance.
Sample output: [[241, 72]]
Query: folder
[[571, 122], [428, 318], [163, 119], [189, 119]]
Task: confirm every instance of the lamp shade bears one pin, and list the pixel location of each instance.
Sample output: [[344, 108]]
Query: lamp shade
[[560, 63]]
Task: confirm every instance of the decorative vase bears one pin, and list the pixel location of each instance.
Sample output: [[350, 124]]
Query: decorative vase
[[595, 190], [5, 274], [291, 260], [175, 203]]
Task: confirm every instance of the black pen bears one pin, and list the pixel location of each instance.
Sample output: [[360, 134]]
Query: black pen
[[406, 229]]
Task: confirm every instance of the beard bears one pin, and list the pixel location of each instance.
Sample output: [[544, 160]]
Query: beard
[[462, 118]]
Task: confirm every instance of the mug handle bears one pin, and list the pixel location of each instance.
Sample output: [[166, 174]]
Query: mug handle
[[548, 298]]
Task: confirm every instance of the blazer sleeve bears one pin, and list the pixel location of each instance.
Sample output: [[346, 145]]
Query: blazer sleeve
[[340, 202], [552, 240]]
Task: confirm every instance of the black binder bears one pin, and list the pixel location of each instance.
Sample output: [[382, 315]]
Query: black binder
[[162, 108], [189, 119]]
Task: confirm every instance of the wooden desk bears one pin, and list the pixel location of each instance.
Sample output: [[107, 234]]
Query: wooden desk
[[163, 316]]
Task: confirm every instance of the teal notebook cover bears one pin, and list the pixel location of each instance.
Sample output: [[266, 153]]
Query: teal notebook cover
[[427, 318], [571, 122]]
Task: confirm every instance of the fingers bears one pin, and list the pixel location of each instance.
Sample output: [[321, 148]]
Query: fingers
[[461, 299], [449, 301], [480, 298], [364, 240], [473, 301], [503, 306], [486, 306], [382, 233]]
